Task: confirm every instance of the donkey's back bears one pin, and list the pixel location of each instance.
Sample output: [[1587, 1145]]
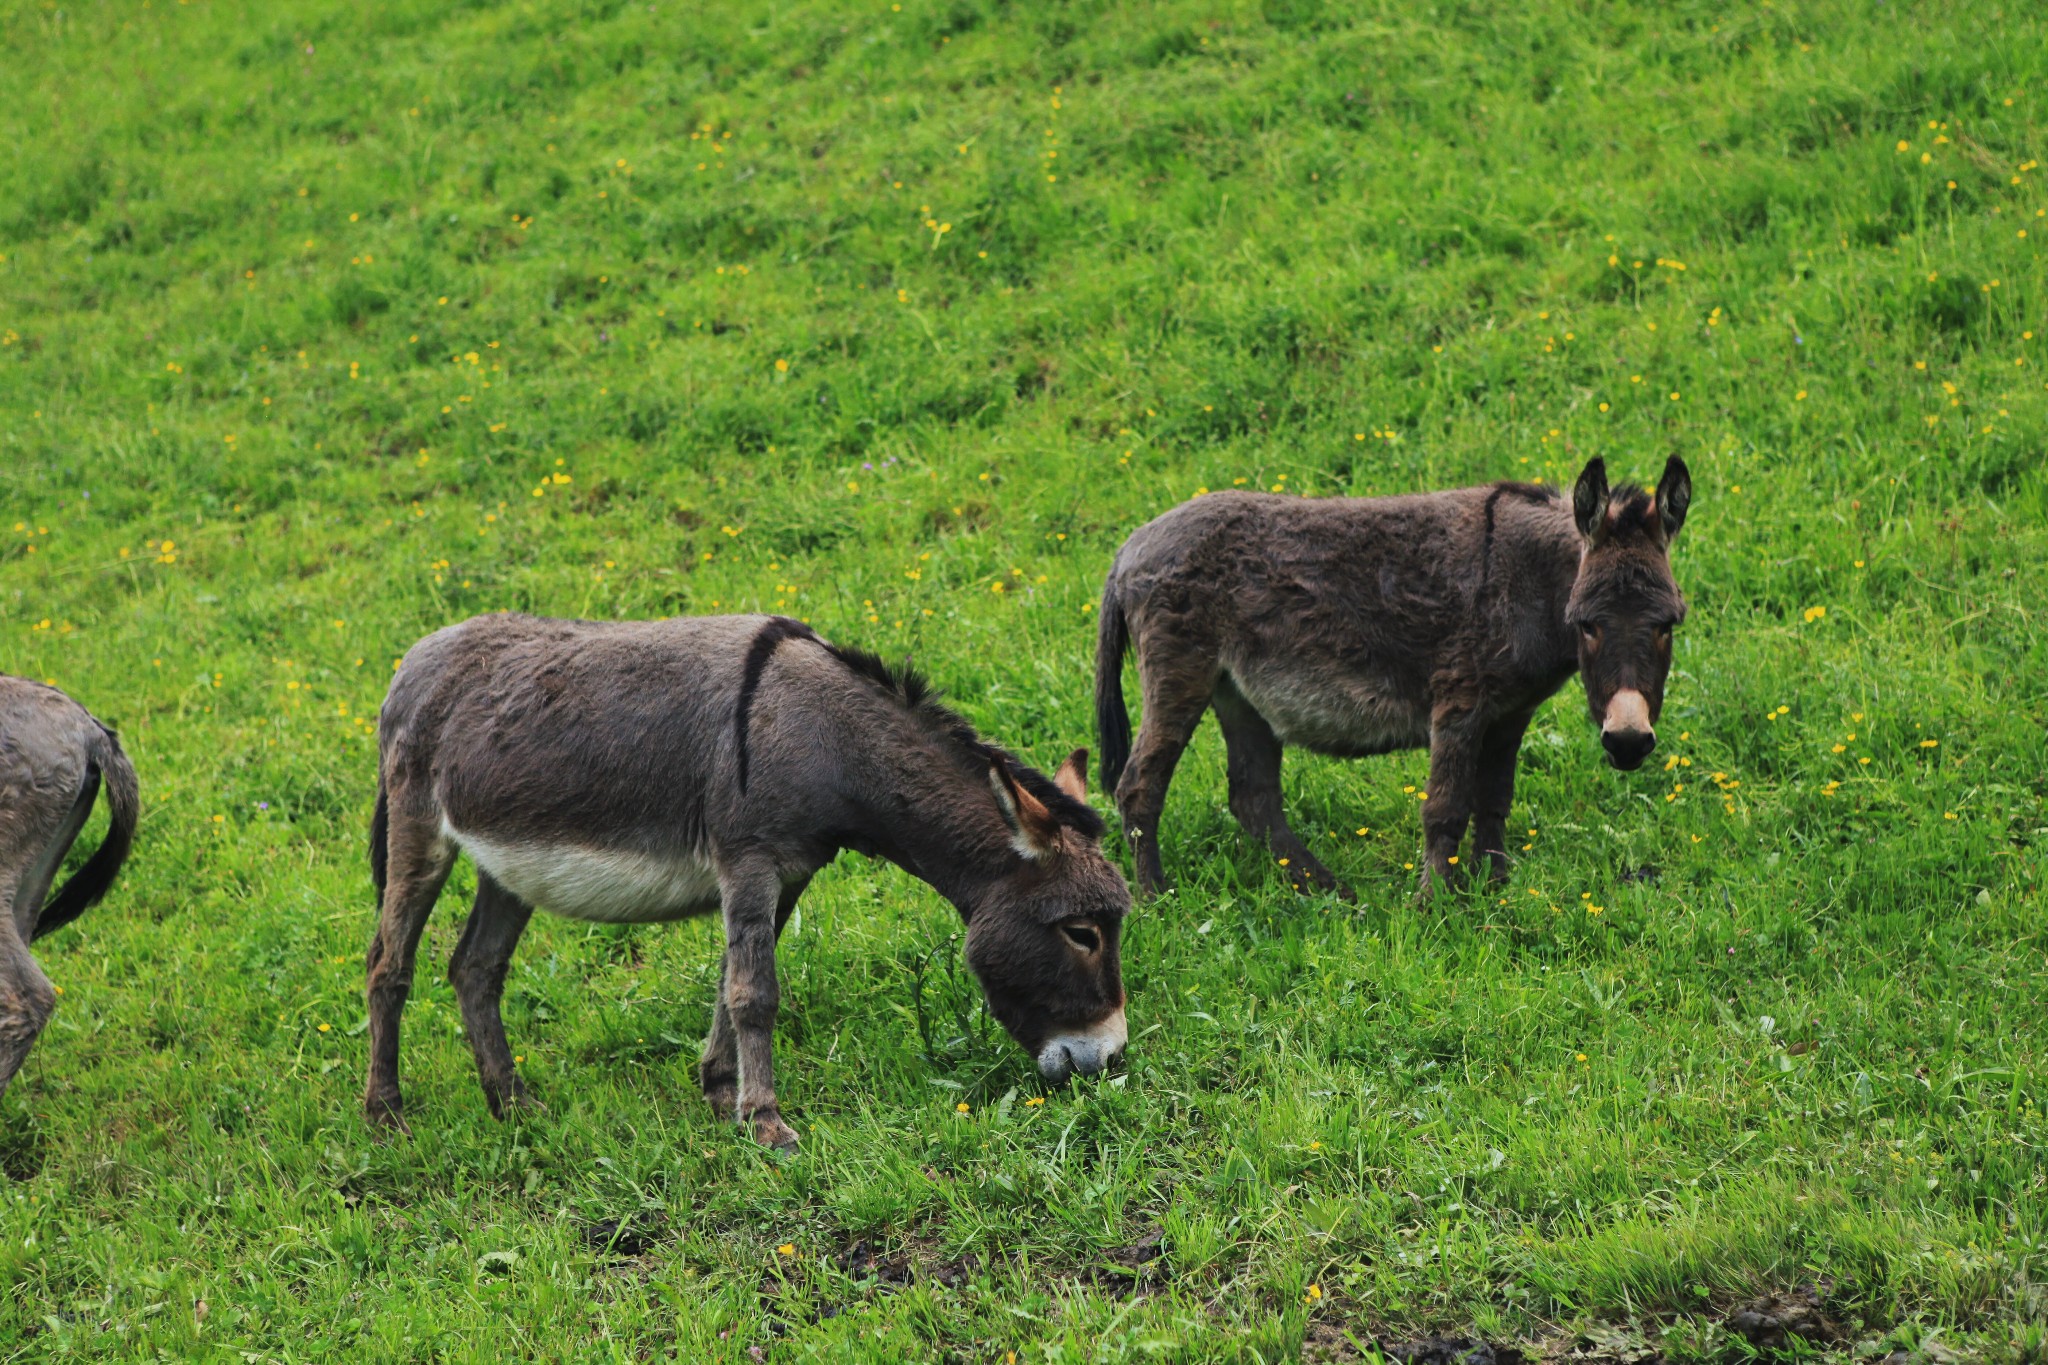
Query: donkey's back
[[1338, 619], [1396, 569], [589, 765]]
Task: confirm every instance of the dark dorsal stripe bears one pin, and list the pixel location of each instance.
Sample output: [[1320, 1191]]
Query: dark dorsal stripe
[[778, 629]]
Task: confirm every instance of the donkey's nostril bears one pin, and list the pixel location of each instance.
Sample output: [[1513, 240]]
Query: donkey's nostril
[[1091, 1061], [1626, 749], [1056, 1063]]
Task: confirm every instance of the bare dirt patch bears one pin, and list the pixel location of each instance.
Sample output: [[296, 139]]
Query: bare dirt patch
[[631, 1236], [1770, 1322], [1136, 1267]]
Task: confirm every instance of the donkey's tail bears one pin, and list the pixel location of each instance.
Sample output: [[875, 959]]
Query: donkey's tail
[[380, 841], [124, 807], [1112, 722]]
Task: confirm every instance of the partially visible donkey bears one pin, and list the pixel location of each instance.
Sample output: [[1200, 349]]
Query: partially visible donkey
[[53, 757], [1356, 626], [640, 771]]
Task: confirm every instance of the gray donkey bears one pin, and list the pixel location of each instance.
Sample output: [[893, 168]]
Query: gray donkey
[[1356, 626], [644, 771], [53, 758]]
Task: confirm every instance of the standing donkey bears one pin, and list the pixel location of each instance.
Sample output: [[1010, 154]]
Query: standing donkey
[[633, 772], [1356, 626], [53, 757]]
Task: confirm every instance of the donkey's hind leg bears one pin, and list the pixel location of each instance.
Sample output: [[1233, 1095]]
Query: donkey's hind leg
[[477, 969], [1175, 695], [418, 864], [718, 1068], [1253, 760], [27, 999]]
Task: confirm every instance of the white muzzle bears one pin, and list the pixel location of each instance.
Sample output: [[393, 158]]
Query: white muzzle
[[1085, 1052]]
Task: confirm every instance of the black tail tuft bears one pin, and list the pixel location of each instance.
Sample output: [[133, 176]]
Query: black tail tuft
[[380, 841], [124, 808], [1112, 722]]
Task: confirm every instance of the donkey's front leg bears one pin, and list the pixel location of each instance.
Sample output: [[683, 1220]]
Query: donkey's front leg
[[477, 968], [752, 891], [718, 1067], [1447, 805]]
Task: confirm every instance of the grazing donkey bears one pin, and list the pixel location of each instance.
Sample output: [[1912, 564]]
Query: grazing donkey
[[1357, 626], [53, 757], [633, 772]]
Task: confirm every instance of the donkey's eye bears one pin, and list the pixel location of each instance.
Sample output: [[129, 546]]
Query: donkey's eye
[[1082, 936], [1589, 632]]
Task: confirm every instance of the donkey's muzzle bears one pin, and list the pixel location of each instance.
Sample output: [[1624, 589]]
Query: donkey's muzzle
[[1084, 1052], [1626, 733]]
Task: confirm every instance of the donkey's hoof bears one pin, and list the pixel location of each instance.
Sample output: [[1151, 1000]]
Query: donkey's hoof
[[771, 1131], [1435, 884], [510, 1104], [386, 1113], [1315, 879]]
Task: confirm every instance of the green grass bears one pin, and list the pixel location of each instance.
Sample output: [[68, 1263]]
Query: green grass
[[320, 329]]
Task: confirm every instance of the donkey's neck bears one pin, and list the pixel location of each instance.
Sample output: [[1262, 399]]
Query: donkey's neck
[[926, 806], [1539, 589]]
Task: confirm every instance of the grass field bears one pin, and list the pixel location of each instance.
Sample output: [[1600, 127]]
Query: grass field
[[320, 329]]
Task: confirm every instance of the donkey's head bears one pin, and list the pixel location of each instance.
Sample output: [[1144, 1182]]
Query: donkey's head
[[1625, 603], [1044, 938]]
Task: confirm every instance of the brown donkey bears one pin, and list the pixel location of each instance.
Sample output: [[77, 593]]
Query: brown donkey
[[1356, 626], [53, 758], [633, 772]]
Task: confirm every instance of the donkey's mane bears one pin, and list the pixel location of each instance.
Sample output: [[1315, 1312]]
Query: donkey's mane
[[1508, 488], [1631, 511], [1630, 499], [915, 693]]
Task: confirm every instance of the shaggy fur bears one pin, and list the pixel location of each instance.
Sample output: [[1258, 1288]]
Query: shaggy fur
[[642, 771], [1356, 626]]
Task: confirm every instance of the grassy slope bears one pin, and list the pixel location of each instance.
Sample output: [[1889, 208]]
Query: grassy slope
[[321, 330]]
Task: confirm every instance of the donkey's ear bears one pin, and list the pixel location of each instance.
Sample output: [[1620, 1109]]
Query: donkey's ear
[[1034, 832], [1589, 498], [1072, 778], [1674, 495]]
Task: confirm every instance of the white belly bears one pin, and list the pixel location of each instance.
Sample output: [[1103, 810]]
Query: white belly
[[1340, 718], [608, 885]]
